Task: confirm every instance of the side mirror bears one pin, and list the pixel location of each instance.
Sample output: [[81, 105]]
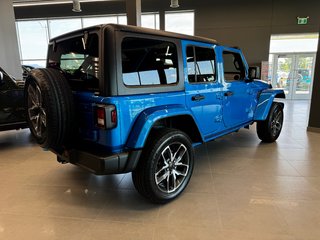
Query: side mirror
[[1, 78], [254, 72]]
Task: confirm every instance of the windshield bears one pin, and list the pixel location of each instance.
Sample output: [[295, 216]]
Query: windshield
[[78, 58]]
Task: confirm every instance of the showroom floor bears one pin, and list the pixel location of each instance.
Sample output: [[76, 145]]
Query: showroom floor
[[240, 189]]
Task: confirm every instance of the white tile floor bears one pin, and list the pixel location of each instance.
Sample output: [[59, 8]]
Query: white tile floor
[[241, 189]]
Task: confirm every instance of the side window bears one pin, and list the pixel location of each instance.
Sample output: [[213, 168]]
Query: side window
[[148, 62], [201, 64], [233, 66]]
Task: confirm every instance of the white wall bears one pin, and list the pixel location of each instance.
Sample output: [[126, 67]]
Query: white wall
[[9, 52]]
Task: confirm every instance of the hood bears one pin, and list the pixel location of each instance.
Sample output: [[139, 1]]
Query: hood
[[262, 84]]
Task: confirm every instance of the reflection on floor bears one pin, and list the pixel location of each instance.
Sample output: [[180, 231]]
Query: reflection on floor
[[241, 189]]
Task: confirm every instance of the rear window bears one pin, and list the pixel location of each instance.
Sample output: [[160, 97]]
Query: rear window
[[78, 58], [148, 62]]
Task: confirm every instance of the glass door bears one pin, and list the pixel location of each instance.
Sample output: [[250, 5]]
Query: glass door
[[304, 71], [294, 73], [282, 66]]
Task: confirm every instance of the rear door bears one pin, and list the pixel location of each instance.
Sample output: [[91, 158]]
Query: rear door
[[203, 89]]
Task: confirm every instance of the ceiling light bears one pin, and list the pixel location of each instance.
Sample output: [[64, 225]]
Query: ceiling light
[[174, 4], [76, 6]]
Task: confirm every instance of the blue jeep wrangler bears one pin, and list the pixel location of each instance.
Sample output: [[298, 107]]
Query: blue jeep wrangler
[[117, 99]]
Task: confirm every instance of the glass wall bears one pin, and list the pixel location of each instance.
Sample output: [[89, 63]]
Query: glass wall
[[91, 21], [34, 35], [180, 22], [33, 40], [61, 26], [150, 21], [287, 43]]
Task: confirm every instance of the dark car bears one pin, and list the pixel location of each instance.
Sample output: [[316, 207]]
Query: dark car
[[12, 109], [26, 70]]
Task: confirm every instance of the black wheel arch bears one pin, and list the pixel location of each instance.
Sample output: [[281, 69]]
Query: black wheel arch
[[184, 123], [280, 95]]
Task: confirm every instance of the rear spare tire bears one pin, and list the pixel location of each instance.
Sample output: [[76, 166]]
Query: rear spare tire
[[50, 108]]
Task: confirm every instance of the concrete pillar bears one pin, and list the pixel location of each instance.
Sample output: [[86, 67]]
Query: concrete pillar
[[133, 8], [314, 116], [9, 49], [162, 20]]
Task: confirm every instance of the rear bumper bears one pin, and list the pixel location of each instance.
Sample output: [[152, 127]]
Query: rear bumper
[[102, 164]]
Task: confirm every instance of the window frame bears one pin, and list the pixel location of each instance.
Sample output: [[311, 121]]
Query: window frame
[[101, 73], [215, 63], [241, 79], [125, 89], [140, 73]]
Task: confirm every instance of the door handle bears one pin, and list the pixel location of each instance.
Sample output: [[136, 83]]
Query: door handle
[[228, 94], [197, 97]]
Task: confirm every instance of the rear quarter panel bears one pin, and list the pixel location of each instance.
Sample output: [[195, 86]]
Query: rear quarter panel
[[135, 116]]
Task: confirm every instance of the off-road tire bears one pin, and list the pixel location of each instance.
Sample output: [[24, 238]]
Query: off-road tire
[[50, 108], [270, 129], [161, 144]]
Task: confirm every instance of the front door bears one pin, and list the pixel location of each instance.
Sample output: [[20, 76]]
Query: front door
[[203, 90], [11, 101], [238, 93], [294, 73]]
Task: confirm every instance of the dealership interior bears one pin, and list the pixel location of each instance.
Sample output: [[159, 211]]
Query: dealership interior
[[241, 188]]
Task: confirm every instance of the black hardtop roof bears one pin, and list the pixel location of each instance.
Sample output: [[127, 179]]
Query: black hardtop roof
[[134, 29]]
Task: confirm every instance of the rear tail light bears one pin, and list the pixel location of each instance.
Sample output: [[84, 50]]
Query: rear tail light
[[106, 116], [101, 117]]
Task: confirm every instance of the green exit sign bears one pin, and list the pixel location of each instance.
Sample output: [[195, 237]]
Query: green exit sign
[[302, 20]]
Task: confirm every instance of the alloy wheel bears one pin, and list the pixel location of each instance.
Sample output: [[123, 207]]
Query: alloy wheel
[[276, 123], [36, 111], [172, 167]]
